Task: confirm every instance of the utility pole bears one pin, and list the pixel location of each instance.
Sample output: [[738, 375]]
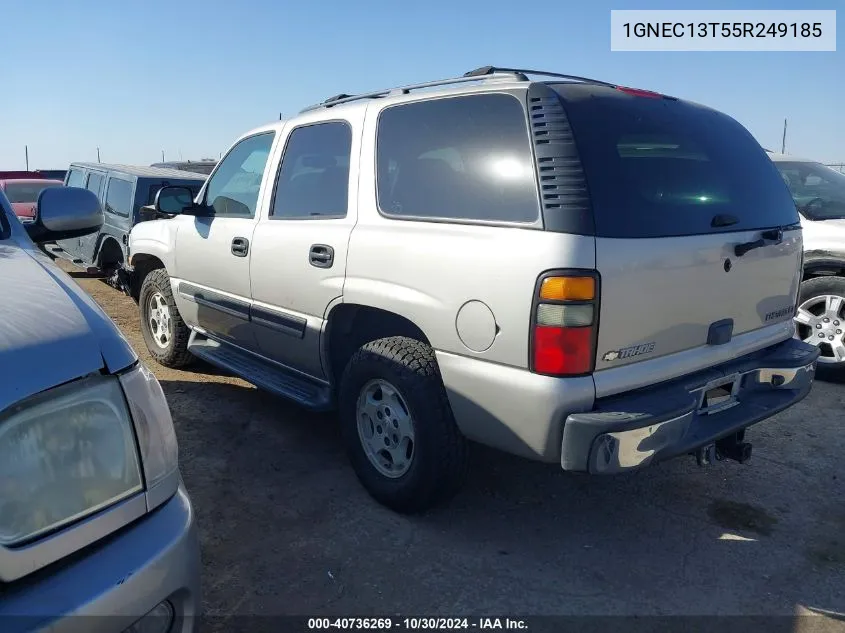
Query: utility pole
[[783, 142], [98, 153], [26, 153]]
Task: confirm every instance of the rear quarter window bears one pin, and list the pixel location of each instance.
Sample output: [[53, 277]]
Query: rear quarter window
[[119, 197], [76, 178], [458, 158], [660, 167]]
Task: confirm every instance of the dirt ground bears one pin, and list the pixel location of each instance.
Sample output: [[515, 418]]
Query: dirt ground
[[286, 528]]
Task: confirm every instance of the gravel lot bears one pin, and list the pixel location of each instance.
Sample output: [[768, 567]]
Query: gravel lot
[[286, 529]]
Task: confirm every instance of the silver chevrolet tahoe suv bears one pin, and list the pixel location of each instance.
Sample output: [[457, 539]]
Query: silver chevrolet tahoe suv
[[572, 271]]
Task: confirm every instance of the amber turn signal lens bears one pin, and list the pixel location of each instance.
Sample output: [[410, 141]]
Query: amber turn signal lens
[[568, 288]]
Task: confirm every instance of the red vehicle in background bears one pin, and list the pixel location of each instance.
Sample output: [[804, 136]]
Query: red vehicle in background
[[23, 194]]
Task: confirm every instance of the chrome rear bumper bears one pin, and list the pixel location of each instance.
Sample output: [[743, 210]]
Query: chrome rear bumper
[[632, 430]]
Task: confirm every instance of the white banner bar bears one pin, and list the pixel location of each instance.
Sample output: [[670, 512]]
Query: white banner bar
[[727, 30]]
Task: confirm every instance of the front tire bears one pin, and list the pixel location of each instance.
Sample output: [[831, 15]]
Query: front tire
[[164, 331], [820, 321], [398, 426]]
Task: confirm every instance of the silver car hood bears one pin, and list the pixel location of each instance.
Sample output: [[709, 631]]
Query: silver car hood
[[51, 332]]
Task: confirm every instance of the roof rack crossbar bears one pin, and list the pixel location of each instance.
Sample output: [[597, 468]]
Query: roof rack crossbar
[[479, 74], [490, 70], [343, 98]]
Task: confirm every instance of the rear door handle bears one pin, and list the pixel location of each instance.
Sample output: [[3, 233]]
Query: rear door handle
[[240, 247], [321, 256]]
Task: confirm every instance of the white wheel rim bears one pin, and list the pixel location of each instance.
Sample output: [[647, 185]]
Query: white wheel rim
[[819, 321], [385, 428], [159, 321]]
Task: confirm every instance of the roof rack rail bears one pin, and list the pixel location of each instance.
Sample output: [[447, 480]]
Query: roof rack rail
[[342, 95], [484, 71], [343, 98]]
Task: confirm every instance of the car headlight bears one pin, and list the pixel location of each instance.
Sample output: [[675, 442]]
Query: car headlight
[[65, 454], [156, 435]]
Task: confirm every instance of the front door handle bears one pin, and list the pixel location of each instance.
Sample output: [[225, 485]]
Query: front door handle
[[240, 247], [321, 256]]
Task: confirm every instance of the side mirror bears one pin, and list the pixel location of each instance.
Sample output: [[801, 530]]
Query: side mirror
[[63, 213], [173, 200]]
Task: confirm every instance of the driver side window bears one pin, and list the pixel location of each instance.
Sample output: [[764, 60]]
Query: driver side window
[[233, 188]]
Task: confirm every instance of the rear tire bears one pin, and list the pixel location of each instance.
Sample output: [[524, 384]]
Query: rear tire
[[823, 299], [432, 460], [110, 261], [164, 331]]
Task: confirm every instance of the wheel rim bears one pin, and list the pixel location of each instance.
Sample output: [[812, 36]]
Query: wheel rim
[[385, 428], [820, 322], [158, 320]]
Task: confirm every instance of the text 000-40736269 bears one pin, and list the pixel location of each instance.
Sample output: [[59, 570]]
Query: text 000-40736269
[[416, 624]]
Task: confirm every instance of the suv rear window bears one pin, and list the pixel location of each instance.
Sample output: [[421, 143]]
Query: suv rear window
[[119, 196], [27, 191], [76, 178], [660, 167], [461, 158]]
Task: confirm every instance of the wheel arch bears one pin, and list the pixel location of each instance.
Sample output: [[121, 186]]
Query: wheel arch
[[350, 326], [109, 250], [142, 265], [823, 264]]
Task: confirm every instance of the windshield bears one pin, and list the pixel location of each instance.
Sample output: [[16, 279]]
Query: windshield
[[818, 191], [27, 191]]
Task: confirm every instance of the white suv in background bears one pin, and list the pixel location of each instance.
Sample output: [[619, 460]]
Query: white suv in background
[[819, 194]]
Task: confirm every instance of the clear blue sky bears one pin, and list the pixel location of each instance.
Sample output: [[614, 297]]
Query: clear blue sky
[[139, 77]]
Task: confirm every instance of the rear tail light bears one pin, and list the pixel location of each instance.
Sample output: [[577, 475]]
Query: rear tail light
[[639, 92], [564, 320]]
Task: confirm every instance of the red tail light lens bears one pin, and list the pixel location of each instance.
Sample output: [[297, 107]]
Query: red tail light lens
[[564, 324], [638, 92], [563, 350]]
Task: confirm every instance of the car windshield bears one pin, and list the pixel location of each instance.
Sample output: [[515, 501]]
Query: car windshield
[[818, 190], [27, 191]]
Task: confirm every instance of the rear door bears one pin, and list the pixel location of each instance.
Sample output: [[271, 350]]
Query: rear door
[[88, 243], [675, 188], [119, 206], [299, 255], [76, 177]]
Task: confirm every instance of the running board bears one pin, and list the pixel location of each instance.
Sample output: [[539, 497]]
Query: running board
[[262, 373]]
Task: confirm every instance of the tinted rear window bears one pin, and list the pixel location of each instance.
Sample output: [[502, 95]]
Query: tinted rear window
[[119, 196], [76, 178], [27, 191], [660, 167], [95, 182], [462, 158]]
